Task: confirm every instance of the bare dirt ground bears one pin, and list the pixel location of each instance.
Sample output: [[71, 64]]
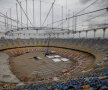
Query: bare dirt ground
[[28, 69]]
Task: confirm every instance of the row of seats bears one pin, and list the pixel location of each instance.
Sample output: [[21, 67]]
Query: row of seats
[[86, 82], [95, 78]]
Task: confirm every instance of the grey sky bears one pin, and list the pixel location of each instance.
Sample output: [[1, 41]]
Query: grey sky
[[72, 6]]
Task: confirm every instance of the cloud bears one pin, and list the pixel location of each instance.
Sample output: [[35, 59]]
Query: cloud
[[4, 1], [84, 1], [103, 3], [74, 6]]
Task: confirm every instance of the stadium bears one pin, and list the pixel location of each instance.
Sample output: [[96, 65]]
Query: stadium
[[45, 46]]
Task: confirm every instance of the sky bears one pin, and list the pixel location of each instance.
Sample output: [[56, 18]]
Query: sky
[[70, 8]]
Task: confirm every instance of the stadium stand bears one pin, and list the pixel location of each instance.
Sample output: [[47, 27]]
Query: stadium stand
[[94, 77]]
